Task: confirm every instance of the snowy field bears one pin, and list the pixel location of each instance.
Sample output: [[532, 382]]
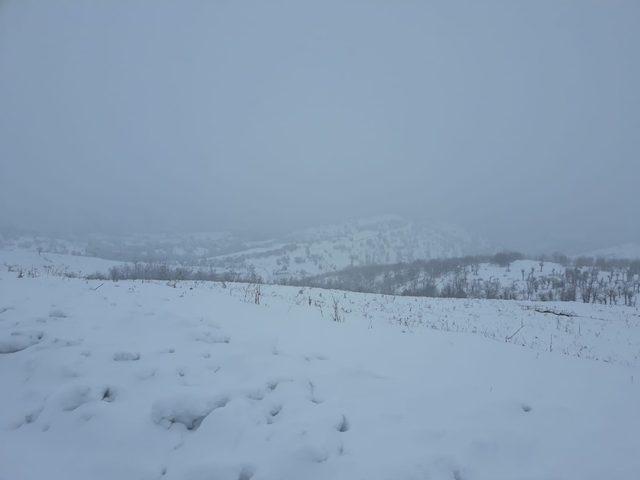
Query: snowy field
[[135, 380], [30, 261]]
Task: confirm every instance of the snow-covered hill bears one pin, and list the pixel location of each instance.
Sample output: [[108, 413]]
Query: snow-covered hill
[[32, 263], [381, 240], [143, 380]]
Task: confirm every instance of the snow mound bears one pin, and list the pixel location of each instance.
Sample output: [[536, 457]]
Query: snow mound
[[17, 341], [186, 410], [70, 398]]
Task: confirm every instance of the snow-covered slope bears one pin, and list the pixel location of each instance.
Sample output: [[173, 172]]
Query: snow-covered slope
[[140, 380], [183, 248], [32, 263], [381, 240]]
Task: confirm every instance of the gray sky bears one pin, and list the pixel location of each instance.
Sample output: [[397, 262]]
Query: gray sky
[[518, 120]]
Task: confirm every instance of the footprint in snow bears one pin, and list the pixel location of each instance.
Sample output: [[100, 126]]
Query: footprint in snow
[[62, 342], [313, 397], [108, 394], [126, 356], [255, 395], [310, 358], [57, 313], [246, 473], [457, 474], [208, 337], [273, 384], [260, 393], [343, 425], [29, 417], [273, 413], [146, 373]]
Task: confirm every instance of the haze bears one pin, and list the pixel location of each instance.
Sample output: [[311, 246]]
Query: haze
[[519, 121]]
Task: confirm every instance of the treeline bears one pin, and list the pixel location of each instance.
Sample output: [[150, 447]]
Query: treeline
[[587, 284], [387, 278], [161, 271], [590, 280]]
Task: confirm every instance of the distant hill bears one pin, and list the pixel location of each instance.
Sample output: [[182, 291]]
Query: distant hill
[[380, 240]]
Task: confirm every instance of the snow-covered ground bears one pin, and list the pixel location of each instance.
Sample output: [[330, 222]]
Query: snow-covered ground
[[135, 380], [54, 263]]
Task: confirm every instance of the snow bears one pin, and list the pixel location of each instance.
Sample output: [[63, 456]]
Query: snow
[[60, 263], [377, 240], [17, 340], [511, 275], [383, 239], [140, 380]]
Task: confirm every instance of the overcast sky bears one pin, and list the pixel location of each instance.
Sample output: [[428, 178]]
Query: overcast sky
[[517, 120]]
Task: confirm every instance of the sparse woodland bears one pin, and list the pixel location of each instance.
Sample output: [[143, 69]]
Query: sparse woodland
[[505, 275]]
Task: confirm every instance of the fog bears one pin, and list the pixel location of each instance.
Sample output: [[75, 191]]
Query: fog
[[519, 121]]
